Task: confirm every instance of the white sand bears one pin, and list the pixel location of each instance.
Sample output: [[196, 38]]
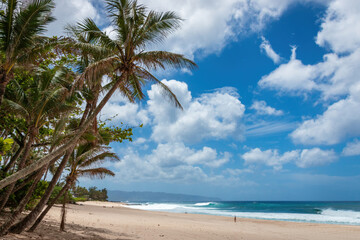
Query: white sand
[[105, 220]]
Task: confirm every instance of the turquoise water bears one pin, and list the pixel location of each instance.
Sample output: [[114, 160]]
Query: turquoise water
[[318, 212]]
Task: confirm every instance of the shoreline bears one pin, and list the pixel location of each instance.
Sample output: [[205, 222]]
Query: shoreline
[[241, 215], [111, 220]]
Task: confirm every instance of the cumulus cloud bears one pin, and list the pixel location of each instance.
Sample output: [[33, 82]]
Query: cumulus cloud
[[119, 109], [315, 157], [209, 24], [263, 109], [333, 77], [266, 46], [291, 77], [340, 29], [302, 158], [339, 122], [214, 115], [336, 78], [70, 12], [269, 157], [171, 161], [352, 148]]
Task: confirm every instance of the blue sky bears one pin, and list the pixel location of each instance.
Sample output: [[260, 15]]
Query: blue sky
[[272, 113]]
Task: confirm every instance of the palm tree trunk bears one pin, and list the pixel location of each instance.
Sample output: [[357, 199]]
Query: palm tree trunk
[[45, 160], [14, 159], [24, 183], [20, 208], [63, 212], [31, 217], [4, 79], [22, 162], [6, 195], [49, 206], [86, 111]]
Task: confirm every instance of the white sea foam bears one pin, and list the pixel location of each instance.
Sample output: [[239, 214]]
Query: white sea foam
[[326, 215], [203, 204]]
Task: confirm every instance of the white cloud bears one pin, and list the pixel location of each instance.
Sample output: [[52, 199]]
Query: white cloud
[[338, 75], [352, 148], [174, 154], [262, 109], [110, 31], [214, 115], [70, 12], [210, 24], [340, 28], [269, 157], [236, 171], [338, 122], [315, 157], [261, 128], [266, 46], [119, 109], [140, 140], [336, 78], [291, 77], [302, 158], [172, 162]]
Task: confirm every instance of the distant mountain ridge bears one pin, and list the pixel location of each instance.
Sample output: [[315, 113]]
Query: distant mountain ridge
[[121, 196]]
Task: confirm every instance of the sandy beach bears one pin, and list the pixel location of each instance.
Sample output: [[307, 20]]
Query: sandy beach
[[106, 220]]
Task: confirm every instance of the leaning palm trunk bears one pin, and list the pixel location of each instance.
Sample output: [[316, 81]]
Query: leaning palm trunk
[[4, 199], [31, 217], [20, 208], [49, 206], [22, 162], [63, 212], [13, 159], [71, 143]]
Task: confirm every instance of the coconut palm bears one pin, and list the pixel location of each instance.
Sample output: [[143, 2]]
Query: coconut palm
[[21, 23], [38, 100], [81, 164], [87, 139], [129, 64]]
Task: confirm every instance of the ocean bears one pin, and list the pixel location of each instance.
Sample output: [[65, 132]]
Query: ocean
[[347, 213]]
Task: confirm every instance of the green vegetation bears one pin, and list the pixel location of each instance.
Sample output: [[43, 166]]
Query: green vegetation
[[52, 90], [91, 194], [5, 146]]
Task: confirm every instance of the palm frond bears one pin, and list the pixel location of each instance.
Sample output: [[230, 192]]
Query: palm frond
[[96, 173], [157, 27], [15, 108], [6, 24], [31, 21], [166, 91], [99, 158], [163, 59]]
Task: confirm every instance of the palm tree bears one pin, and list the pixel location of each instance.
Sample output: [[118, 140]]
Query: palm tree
[[38, 100], [81, 165], [87, 138], [129, 64], [21, 23]]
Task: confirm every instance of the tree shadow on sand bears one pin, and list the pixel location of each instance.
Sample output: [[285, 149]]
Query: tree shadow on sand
[[49, 230]]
